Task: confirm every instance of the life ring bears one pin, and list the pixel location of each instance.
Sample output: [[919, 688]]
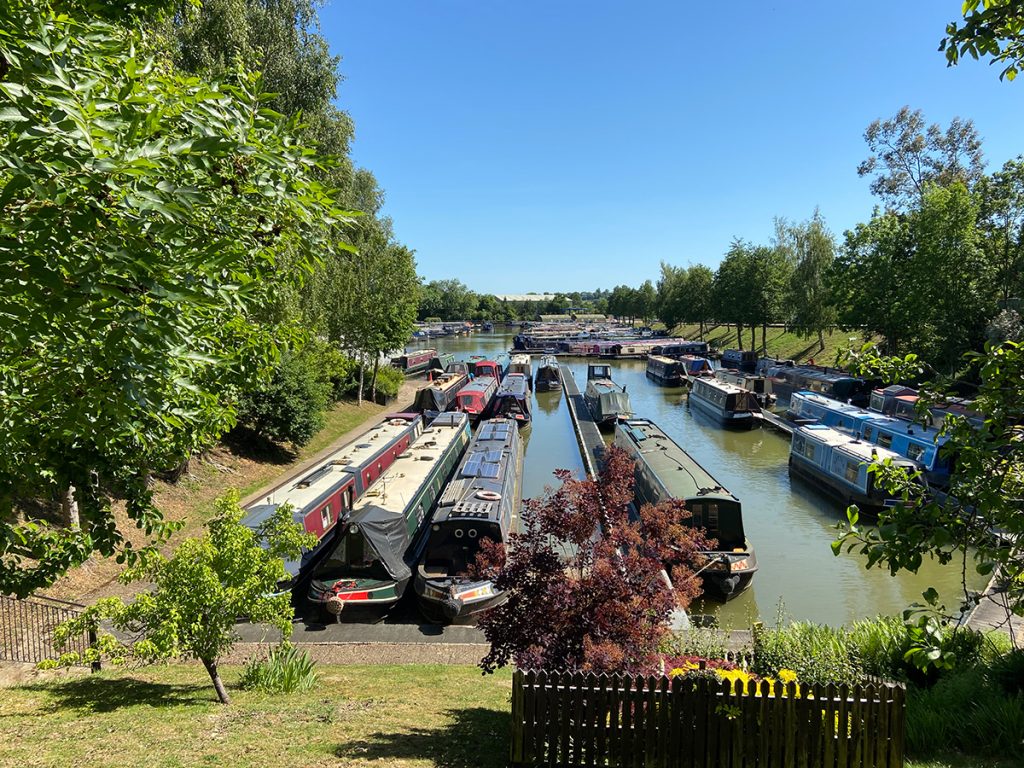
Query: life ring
[[397, 422], [488, 495]]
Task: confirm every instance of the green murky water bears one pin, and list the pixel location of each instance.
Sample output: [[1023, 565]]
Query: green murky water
[[789, 522]]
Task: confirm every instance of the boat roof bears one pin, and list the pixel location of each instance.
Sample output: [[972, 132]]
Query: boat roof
[[835, 405], [549, 361], [513, 384], [489, 466], [520, 359], [445, 381], [397, 487], [479, 384], [307, 489], [858, 449], [604, 386], [725, 386], [904, 427], [682, 476], [662, 359], [824, 434]]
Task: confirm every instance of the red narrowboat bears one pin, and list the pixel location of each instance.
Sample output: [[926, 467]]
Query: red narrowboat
[[475, 398], [414, 362]]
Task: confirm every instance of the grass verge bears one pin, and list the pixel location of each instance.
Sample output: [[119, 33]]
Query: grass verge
[[408, 716], [780, 342]]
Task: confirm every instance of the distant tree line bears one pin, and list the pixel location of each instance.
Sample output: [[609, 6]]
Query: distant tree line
[[937, 269], [451, 300]]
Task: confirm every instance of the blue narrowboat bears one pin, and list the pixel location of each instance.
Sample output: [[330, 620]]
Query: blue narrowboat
[[677, 349], [810, 407], [838, 464], [832, 383], [914, 441], [740, 359], [512, 401]]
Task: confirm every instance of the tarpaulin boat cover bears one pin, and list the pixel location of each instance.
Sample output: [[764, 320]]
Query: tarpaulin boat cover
[[388, 534]]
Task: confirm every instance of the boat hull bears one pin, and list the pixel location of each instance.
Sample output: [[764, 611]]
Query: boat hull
[[808, 472], [728, 419], [671, 380]]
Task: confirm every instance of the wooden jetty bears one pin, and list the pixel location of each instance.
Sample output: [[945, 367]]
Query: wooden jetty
[[993, 614], [776, 422], [587, 433]]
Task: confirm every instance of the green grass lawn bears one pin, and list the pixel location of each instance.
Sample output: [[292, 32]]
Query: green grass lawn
[[403, 716], [780, 342]]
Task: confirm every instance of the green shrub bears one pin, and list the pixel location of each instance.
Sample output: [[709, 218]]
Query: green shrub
[[879, 645], [706, 642], [285, 670], [1007, 671], [290, 407], [389, 382], [818, 654]]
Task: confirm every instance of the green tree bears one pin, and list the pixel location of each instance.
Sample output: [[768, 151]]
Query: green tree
[[907, 155], [198, 594], [813, 252], [996, 30], [733, 290], [698, 306], [646, 301], [1001, 216], [448, 299], [143, 214], [671, 294], [769, 279]]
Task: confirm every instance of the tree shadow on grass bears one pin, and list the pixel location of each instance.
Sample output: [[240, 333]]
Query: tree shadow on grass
[[248, 444], [104, 694], [475, 738]]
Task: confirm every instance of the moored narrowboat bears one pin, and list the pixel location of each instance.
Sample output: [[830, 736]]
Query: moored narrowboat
[[665, 371], [495, 367], [439, 395], [838, 464], [659, 459], [914, 441], [729, 405], [480, 502], [677, 349], [810, 407], [605, 399], [758, 385], [548, 376], [323, 495], [512, 400], [883, 399], [834, 383], [475, 398], [413, 362], [740, 359], [695, 367], [440, 361], [524, 365], [459, 366], [374, 548]]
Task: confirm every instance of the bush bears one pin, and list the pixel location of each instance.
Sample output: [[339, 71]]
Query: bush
[[285, 670], [879, 645], [389, 382], [817, 653], [705, 642], [1007, 672], [290, 407]]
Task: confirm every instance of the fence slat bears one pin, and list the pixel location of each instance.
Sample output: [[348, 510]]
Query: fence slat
[[601, 722], [615, 720], [843, 740]]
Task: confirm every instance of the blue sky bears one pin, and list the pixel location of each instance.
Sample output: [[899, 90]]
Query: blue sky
[[565, 145]]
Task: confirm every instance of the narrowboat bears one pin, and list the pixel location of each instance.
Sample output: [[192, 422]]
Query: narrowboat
[[729, 405], [475, 398], [677, 349], [459, 366], [695, 367], [833, 383], [810, 407], [838, 463], [759, 386], [919, 443], [440, 361], [326, 493], [479, 503], [659, 460], [439, 394], [549, 375], [524, 365], [665, 371], [375, 547], [606, 400], [883, 401], [764, 364], [495, 367], [414, 362], [487, 327], [512, 400], [740, 359]]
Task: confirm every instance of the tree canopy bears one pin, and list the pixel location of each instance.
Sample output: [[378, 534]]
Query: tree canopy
[[989, 28]]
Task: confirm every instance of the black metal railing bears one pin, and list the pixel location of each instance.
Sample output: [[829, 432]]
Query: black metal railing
[[26, 629]]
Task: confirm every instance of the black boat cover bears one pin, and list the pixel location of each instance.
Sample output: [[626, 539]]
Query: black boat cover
[[388, 534]]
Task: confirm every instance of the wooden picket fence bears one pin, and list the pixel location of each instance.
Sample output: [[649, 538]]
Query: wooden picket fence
[[581, 719]]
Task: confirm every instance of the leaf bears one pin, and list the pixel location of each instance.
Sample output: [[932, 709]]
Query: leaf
[[12, 115]]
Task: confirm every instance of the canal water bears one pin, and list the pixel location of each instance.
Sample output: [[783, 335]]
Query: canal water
[[790, 524]]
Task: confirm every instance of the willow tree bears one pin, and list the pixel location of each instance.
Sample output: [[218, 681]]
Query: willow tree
[[813, 251], [142, 216]]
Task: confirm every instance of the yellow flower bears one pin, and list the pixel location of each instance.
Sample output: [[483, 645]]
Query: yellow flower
[[676, 672], [787, 675]]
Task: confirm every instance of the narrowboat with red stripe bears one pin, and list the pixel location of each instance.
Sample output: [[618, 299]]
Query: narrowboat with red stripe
[[475, 398], [496, 367], [414, 362], [329, 490], [370, 557], [481, 502]]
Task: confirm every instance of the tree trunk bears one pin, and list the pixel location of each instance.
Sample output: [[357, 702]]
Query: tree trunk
[[373, 380], [764, 338], [821, 340], [362, 370], [218, 684], [753, 338], [739, 336], [69, 508]]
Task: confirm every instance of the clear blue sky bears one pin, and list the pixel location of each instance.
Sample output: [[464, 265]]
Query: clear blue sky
[[564, 145]]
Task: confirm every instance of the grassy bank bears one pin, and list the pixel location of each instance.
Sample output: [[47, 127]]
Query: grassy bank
[[406, 717], [780, 342], [230, 464]]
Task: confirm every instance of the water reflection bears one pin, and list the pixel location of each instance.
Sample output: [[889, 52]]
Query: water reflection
[[789, 522]]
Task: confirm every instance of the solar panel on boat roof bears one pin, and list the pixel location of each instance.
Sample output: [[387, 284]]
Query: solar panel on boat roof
[[489, 470], [472, 468], [492, 456]]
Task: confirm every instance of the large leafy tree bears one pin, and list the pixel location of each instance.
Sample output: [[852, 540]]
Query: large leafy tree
[[143, 216], [1001, 218], [813, 251], [607, 606], [198, 594], [907, 155]]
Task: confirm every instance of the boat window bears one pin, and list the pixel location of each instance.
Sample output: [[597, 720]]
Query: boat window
[[798, 444], [867, 433], [852, 470], [915, 451], [809, 449], [325, 516], [884, 439]]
